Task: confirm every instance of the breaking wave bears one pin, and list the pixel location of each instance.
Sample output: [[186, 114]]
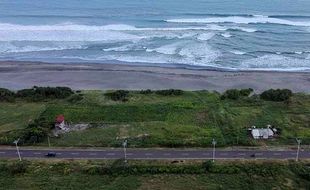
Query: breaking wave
[[276, 62], [242, 20]]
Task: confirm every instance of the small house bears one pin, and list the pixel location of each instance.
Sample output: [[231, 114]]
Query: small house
[[60, 122], [263, 133]]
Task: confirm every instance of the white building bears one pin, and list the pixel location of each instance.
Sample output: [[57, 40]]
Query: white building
[[262, 133]]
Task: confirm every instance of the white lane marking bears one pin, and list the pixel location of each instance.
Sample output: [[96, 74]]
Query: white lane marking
[[111, 154], [206, 154], [259, 154], [129, 154], [185, 154], [75, 153], [59, 153], [167, 154], [277, 154], [37, 153], [293, 153], [93, 154], [2, 152], [241, 154], [148, 154]]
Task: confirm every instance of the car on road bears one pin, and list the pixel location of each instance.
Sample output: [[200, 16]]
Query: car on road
[[253, 155], [51, 154]]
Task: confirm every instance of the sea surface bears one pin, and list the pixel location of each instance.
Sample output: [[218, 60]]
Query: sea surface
[[219, 34]]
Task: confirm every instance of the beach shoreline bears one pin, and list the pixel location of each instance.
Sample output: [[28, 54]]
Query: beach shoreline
[[94, 76]]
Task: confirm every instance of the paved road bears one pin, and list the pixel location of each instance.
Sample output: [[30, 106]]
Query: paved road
[[154, 154]]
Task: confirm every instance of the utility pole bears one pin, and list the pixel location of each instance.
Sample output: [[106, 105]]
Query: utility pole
[[213, 143], [298, 148], [48, 140], [17, 149], [125, 151]]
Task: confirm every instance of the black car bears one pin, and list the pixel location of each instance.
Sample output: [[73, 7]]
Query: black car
[[51, 154]]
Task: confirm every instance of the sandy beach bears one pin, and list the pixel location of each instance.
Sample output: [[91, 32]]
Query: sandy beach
[[18, 75]]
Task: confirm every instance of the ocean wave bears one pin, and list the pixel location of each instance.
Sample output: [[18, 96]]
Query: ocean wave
[[275, 62], [237, 52], [170, 49], [118, 32], [205, 36], [13, 48], [242, 20], [226, 35]]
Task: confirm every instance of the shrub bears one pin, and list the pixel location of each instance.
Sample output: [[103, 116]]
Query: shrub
[[148, 91], [169, 92], [6, 95], [276, 95], [235, 94], [246, 92], [118, 95], [41, 93], [36, 132], [17, 167]]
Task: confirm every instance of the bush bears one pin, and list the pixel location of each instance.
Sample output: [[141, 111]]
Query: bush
[[41, 93], [246, 92], [277, 95], [36, 132], [169, 92], [148, 91], [118, 95], [6, 95], [17, 167], [235, 94]]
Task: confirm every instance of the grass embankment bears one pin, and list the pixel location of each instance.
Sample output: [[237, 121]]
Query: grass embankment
[[153, 175], [148, 120]]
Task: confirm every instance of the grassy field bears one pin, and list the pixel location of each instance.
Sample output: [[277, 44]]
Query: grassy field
[[18, 115], [91, 175], [150, 120]]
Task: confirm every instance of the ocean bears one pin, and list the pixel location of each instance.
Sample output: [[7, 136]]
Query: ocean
[[218, 34]]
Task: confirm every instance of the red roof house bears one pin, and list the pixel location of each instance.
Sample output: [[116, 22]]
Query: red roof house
[[60, 118]]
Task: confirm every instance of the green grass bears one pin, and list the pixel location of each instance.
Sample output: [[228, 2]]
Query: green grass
[[191, 119], [73, 175], [18, 115]]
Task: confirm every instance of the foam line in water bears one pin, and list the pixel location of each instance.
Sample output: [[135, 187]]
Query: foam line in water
[[242, 20]]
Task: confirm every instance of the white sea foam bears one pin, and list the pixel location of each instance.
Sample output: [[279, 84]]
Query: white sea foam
[[199, 52], [205, 36], [169, 49], [7, 47], [236, 52], [242, 20], [276, 62], [226, 35], [68, 32], [250, 30]]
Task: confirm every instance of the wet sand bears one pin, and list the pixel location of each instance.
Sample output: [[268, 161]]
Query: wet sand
[[18, 75]]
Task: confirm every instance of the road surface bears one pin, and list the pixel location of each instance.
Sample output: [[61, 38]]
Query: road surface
[[154, 154]]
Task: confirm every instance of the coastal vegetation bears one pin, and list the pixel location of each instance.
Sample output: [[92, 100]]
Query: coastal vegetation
[[35, 94], [277, 95], [153, 174], [148, 118]]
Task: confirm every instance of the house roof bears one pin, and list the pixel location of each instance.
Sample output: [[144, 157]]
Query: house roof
[[262, 132], [60, 118]]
